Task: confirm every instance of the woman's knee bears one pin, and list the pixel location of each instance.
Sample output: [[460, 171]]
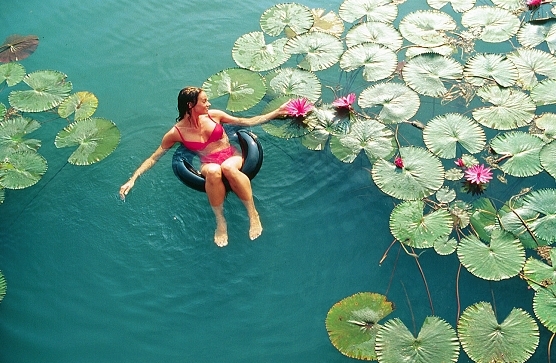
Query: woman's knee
[[231, 169], [212, 173]]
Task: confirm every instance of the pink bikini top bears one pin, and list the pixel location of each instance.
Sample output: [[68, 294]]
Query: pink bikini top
[[215, 135]]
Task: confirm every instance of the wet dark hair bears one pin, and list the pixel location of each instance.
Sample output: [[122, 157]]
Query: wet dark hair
[[187, 99]]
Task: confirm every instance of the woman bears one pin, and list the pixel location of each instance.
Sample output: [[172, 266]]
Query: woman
[[201, 131]]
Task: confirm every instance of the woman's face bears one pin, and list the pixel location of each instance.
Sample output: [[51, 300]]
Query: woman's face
[[202, 105]]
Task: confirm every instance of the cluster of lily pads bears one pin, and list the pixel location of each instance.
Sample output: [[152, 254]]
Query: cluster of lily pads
[[45, 91], [503, 126]]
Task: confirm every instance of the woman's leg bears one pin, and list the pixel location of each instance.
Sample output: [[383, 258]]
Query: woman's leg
[[241, 186], [216, 193]]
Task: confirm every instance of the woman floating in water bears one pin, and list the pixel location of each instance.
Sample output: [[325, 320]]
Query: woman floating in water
[[200, 130]]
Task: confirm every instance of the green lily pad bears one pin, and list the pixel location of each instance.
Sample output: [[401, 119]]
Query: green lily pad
[[411, 226], [484, 218], [398, 102], [95, 138], [370, 10], [21, 169], [443, 133], [459, 6], [290, 17], [531, 35], [3, 286], [82, 104], [375, 32], [251, 51], [427, 28], [445, 195], [515, 218], [445, 246], [496, 24], [544, 92], [548, 158], [12, 73], [544, 306], [3, 110], [530, 63], [328, 23], [294, 83], [511, 5], [353, 323], [502, 259], [482, 68], [521, 153], [377, 61], [245, 88], [49, 89], [325, 121], [511, 108], [542, 201], [421, 176], [427, 73], [437, 342], [486, 340], [322, 50], [370, 136], [12, 135], [547, 123], [539, 274]]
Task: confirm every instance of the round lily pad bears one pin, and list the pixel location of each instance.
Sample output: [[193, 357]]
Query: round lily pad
[[293, 82], [378, 62], [548, 158], [49, 89], [521, 153], [321, 50], [328, 23], [511, 108], [369, 10], [459, 6], [530, 63], [374, 32], [544, 92], [427, 28], [544, 305], [12, 135], [443, 133], [532, 34], [12, 73], [427, 73], [290, 17], [21, 169], [497, 24], [243, 87], [252, 52], [398, 102], [481, 68], [82, 104], [539, 274]]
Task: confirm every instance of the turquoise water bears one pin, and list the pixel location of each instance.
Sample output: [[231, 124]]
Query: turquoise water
[[94, 279]]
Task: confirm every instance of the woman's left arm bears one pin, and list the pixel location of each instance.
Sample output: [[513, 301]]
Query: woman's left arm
[[250, 121]]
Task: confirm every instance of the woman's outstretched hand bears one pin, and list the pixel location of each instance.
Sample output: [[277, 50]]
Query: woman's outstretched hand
[[124, 189]]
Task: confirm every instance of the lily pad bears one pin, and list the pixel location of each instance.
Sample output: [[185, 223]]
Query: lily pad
[[511, 108], [370, 136], [95, 138], [539, 274], [378, 62], [245, 88], [322, 50], [421, 176], [411, 226], [328, 23], [484, 218], [12, 135], [530, 35], [445, 246], [18, 47], [12, 73], [494, 67], [82, 104], [496, 24], [325, 121], [3, 286], [530, 63], [443, 133], [369, 10], [548, 158], [542, 201], [544, 305], [398, 102], [521, 153], [501, 259], [511, 5], [290, 17], [251, 51], [353, 323], [49, 89], [293, 82], [544, 92], [517, 219], [374, 32], [547, 123], [437, 342], [21, 169], [427, 28], [427, 73], [458, 5], [484, 339]]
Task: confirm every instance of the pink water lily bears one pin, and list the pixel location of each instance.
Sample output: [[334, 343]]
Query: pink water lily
[[459, 162], [478, 174], [534, 3], [344, 102], [398, 162], [299, 107]]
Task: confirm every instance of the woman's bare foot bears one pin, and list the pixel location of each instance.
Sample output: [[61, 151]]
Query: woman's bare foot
[[255, 227], [221, 234]]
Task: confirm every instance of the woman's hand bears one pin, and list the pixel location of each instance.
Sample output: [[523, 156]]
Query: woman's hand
[[124, 189]]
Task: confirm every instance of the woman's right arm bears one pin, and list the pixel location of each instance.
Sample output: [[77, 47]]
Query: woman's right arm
[[166, 144]]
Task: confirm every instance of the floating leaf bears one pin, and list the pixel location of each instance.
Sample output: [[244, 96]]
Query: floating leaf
[[543, 202], [12, 73], [443, 50], [18, 47], [371, 10], [544, 93], [497, 24], [502, 259], [458, 5], [538, 274], [49, 89], [521, 153], [82, 104], [445, 246], [295, 17], [483, 67], [421, 176], [426, 73], [547, 123], [12, 135], [245, 88], [353, 322], [2, 110], [530, 35], [322, 50], [529, 63], [370, 136], [294, 82], [443, 133], [411, 226], [3, 286], [548, 158], [378, 62], [285, 128], [511, 108], [445, 195], [21, 169], [437, 342], [374, 32], [399, 103], [328, 23], [511, 5], [427, 28], [251, 51], [484, 218], [486, 340], [517, 219], [95, 139], [544, 305]]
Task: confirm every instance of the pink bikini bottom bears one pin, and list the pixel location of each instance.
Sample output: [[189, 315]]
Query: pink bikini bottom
[[219, 156]]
